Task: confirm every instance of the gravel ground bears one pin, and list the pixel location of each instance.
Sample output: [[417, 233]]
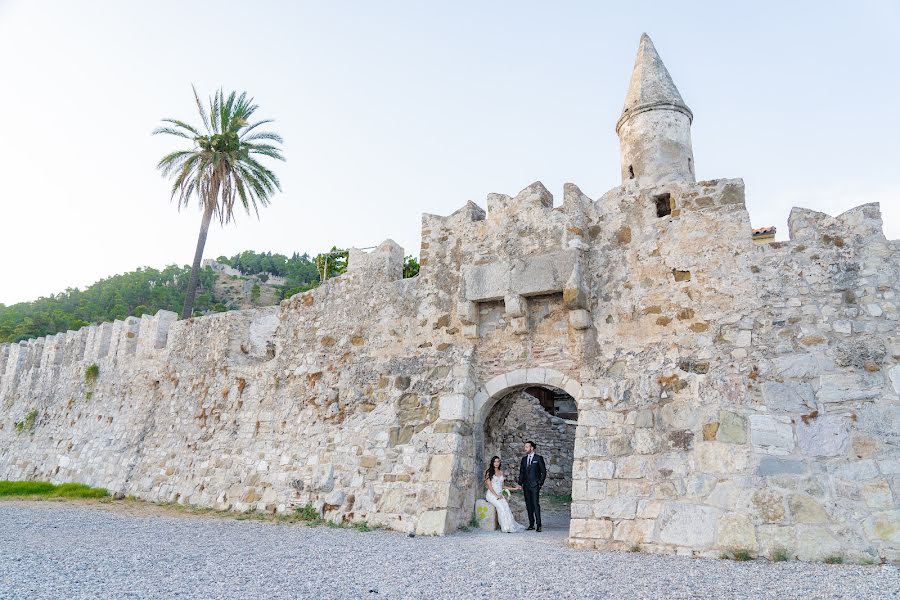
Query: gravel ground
[[66, 550]]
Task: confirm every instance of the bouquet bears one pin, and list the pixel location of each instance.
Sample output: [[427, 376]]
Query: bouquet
[[506, 494]]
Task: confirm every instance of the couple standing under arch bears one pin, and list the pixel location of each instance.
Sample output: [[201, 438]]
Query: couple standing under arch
[[532, 474]]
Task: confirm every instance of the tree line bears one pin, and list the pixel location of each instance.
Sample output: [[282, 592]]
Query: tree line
[[147, 290]]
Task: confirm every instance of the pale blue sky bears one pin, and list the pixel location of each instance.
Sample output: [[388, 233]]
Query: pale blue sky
[[392, 109]]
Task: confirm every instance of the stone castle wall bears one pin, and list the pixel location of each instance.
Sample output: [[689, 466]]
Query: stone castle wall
[[730, 395]]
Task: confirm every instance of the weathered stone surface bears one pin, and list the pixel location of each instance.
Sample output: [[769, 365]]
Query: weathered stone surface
[[735, 531], [772, 434], [788, 397], [826, 435], [805, 509], [732, 428], [769, 505], [797, 366], [846, 387], [687, 525], [486, 515], [776, 538], [815, 543], [769, 466]]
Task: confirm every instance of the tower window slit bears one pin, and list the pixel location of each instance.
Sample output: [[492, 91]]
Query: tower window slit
[[663, 204]]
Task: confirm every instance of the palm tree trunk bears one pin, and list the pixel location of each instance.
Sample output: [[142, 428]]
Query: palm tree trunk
[[188, 309]]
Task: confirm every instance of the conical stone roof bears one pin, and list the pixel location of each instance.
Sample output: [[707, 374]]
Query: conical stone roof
[[651, 86]]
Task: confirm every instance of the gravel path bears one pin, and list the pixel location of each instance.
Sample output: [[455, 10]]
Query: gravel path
[[62, 550]]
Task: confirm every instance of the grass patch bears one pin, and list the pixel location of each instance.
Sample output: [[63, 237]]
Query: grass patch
[[91, 374], [45, 489], [27, 422], [635, 548], [833, 559], [740, 554], [780, 555], [560, 498]]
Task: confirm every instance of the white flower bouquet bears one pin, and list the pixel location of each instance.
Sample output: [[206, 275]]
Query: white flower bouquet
[[506, 494]]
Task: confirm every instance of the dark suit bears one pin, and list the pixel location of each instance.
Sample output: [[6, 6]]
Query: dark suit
[[531, 478]]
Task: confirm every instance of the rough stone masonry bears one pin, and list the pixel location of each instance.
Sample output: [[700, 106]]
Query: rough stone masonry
[[729, 395]]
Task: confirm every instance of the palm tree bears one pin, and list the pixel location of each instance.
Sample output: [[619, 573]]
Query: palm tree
[[220, 167]]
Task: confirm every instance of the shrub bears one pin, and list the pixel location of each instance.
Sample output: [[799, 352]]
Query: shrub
[[635, 548], [738, 554], [27, 422], [307, 513], [91, 374], [833, 559], [780, 555]]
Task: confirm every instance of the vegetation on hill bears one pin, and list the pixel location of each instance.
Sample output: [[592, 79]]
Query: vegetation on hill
[[147, 290]]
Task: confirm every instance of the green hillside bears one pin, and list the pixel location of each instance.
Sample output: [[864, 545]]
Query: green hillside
[[147, 290]]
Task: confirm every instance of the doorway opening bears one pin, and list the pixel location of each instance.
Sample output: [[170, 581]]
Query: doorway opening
[[548, 416]]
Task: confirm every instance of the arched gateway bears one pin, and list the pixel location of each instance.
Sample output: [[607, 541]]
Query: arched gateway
[[535, 421]]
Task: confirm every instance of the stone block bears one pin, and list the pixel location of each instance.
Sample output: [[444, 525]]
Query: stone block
[[847, 387], [815, 542], [598, 529], [486, 515], [580, 319], [769, 467], [805, 509], [715, 457], [877, 494], [515, 305], [769, 505], [600, 469], [619, 507], [441, 468], [634, 531], [788, 397], [688, 525], [772, 434], [884, 526], [735, 531], [432, 522], [774, 538], [732, 428], [825, 435], [796, 366], [455, 407]]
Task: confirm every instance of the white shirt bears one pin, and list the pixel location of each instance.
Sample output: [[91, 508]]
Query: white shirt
[[530, 458]]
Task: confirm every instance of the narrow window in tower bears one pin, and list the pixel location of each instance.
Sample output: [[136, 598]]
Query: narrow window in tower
[[663, 204], [689, 165], [630, 172]]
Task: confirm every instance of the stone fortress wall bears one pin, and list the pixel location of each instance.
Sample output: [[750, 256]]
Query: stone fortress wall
[[730, 395]]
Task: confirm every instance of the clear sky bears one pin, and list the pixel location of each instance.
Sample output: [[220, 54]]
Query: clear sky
[[392, 109]]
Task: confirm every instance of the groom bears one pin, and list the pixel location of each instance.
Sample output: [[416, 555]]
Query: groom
[[532, 473]]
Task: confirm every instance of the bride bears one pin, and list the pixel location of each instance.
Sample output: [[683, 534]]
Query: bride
[[493, 477]]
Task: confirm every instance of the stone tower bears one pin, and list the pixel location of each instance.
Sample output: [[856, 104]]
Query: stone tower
[[655, 127]]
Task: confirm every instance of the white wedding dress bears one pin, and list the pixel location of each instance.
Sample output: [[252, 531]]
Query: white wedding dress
[[508, 523]]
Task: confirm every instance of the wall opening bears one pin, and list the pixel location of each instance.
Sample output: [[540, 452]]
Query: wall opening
[[663, 204], [630, 172], [548, 416]]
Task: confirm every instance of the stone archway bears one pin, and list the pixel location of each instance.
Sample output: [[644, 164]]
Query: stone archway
[[504, 394]]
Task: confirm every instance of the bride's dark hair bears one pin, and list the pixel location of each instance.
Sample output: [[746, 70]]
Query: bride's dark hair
[[490, 470]]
